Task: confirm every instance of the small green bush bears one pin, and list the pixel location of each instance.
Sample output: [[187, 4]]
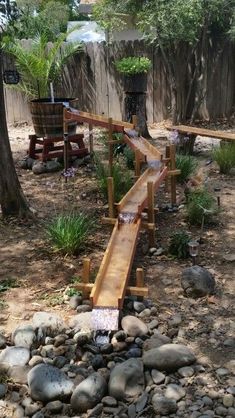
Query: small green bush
[[225, 157], [187, 164], [200, 203], [121, 178], [130, 157], [69, 232], [133, 65], [179, 244]]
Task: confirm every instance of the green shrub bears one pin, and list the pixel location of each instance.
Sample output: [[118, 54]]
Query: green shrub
[[121, 178], [130, 157], [225, 157], [133, 65], [187, 164], [68, 232], [200, 203], [179, 244]]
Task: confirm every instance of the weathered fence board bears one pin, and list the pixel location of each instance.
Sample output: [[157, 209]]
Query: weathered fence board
[[92, 78]]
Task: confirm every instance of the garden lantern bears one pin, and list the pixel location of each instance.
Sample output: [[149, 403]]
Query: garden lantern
[[193, 250]]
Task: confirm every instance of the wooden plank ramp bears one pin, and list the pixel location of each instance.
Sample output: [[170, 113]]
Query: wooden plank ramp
[[145, 148], [111, 281], [184, 129]]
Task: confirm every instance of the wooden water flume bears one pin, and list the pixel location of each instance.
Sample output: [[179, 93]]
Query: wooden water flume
[[111, 283]]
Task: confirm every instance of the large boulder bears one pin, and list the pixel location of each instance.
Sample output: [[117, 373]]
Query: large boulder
[[168, 357], [15, 356], [127, 379], [197, 281], [24, 336], [48, 383], [88, 393], [133, 326], [51, 323]]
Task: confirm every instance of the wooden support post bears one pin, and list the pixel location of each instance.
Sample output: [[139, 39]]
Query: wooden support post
[[110, 145], [137, 163], [139, 277], [151, 213], [86, 270], [66, 134], [168, 165], [111, 197], [91, 141], [173, 178]]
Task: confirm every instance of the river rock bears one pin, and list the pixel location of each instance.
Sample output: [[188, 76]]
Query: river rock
[[51, 323], [48, 383], [163, 406], [168, 357], [39, 167], [158, 377], [24, 336], [3, 390], [127, 379], [19, 374], [175, 392], [197, 281], [52, 166], [88, 393], [2, 341], [81, 321], [15, 356], [133, 326], [155, 341]]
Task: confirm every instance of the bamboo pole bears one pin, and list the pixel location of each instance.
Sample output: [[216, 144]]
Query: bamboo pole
[[110, 145], [111, 197], [151, 213], [173, 178]]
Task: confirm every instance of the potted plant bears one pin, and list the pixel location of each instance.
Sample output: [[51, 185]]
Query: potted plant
[[134, 70], [40, 65]]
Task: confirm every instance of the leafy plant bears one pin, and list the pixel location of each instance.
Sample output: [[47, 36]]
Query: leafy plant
[[72, 292], [130, 157], [179, 244], [68, 233], [121, 178], [225, 157], [40, 64], [200, 204], [187, 166], [133, 65]]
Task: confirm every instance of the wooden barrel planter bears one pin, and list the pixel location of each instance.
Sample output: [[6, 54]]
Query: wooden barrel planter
[[47, 117]]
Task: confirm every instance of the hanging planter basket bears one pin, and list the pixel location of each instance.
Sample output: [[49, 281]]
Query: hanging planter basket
[[136, 83]]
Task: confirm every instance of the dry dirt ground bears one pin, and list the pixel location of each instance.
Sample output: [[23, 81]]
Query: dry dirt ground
[[41, 275]]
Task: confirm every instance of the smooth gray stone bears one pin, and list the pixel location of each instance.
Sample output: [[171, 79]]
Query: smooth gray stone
[[175, 392], [168, 357], [158, 377], [24, 336], [88, 393], [163, 406], [51, 323], [197, 281], [3, 390], [48, 383], [155, 341], [2, 341], [15, 356], [127, 379], [133, 326]]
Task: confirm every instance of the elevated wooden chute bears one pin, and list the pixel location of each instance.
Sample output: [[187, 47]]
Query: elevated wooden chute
[[111, 285]]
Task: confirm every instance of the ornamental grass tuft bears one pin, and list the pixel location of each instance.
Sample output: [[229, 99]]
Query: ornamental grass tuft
[[69, 232], [187, 165], [225, 157]]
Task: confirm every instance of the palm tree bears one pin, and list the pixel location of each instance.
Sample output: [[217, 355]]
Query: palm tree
[[41, 63]]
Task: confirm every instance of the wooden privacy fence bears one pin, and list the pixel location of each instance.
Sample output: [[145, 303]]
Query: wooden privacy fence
[[92, 78]]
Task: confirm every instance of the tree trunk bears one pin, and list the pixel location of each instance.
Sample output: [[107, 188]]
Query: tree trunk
[[12, 200], [135, 104]]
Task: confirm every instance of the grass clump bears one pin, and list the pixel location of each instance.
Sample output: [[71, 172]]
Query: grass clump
[[200, 204], [121, 178], [7, 284], [225, 157], [129, 157], [179, 244], [68, 232], [187, 165]]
